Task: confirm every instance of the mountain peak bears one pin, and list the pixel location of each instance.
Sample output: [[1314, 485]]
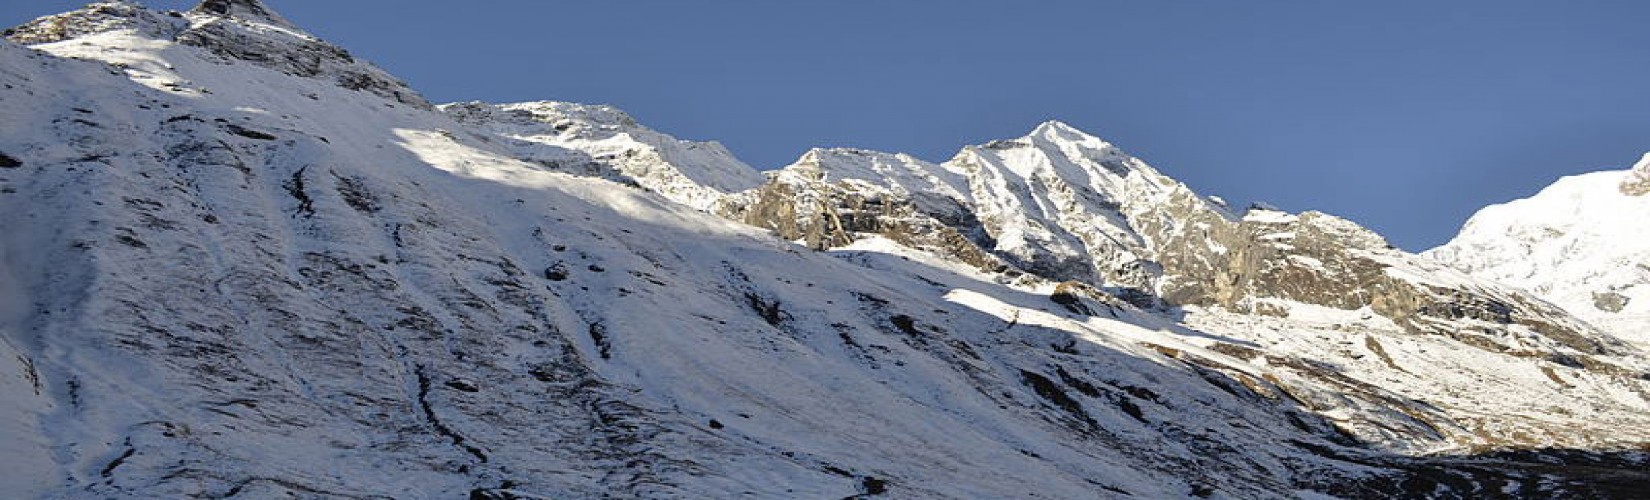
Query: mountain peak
[[246, 10], [1058, 130], [1053, 125]]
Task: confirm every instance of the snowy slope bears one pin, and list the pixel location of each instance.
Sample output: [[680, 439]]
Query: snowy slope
[[230, 272], [1578, 243], [605, 142], [901, 174], [288, 286]]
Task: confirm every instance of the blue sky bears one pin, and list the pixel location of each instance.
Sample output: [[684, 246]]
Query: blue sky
[[1405, 116]]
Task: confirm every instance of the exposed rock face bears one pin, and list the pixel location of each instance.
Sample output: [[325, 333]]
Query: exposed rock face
[[1271, 255], [1324, 260], [239, 30], [1082, 298], [832, 196], [1610, 301], [1637, 182], [250, 10]]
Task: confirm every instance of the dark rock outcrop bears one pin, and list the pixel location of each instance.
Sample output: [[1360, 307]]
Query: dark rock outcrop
[[825, 215], [1637, 182], [251, 10]]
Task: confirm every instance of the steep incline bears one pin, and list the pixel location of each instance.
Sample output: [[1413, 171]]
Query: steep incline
[[1578, 243]]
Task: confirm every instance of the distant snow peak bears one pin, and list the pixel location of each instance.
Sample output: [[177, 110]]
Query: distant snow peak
[[1637, 182], [1058, 130], [246, 10], [1575, 244]]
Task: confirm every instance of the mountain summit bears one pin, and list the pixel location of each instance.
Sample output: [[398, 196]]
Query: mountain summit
[[238, 262], [248, 10]]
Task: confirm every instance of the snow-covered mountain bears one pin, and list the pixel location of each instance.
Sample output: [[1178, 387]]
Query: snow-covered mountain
[[1058, 202], [605, 142], [1063, 205], [236, 261], [1579, 243]]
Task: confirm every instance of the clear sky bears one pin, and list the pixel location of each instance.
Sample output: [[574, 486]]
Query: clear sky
[[1405, 116]]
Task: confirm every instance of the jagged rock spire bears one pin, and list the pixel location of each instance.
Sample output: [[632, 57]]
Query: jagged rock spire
[[249, 10]]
